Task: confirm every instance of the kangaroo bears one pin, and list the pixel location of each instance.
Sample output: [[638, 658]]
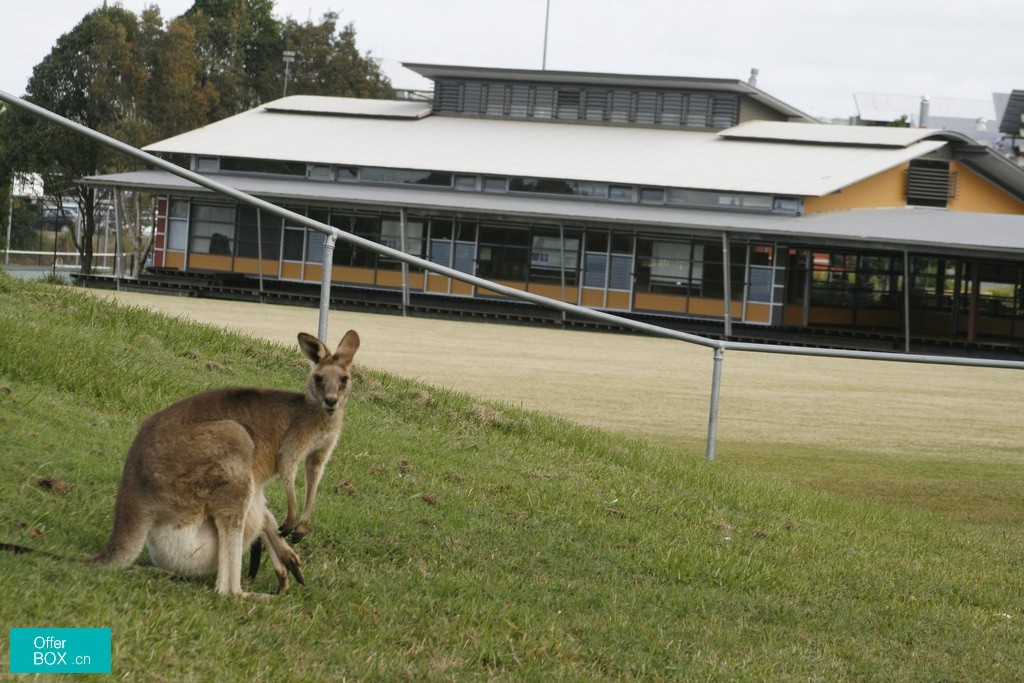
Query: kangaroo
[[192, 487]]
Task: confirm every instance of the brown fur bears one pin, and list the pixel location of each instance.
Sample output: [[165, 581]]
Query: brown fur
[[192, 488]]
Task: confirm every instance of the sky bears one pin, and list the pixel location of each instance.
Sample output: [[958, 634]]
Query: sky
[[812, 55]]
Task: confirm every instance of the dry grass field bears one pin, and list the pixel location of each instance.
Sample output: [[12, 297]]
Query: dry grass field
[[660, 388]]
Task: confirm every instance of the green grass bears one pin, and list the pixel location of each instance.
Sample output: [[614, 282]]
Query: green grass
[[458, 540]]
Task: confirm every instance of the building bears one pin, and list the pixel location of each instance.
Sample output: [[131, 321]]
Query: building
[[705, 204], [976, 119]]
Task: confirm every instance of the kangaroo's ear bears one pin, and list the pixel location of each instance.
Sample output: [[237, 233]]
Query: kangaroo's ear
[[312, 348], [348, 346]]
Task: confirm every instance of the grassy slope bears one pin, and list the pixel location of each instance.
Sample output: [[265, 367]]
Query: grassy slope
[[457, 540]]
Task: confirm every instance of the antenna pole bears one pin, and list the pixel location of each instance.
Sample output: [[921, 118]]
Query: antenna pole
[[547, 19]]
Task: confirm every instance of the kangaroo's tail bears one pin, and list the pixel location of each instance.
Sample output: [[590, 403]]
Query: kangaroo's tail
[[24, 550]]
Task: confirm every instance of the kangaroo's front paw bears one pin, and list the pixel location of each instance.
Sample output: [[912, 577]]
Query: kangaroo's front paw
[[292, 564], [295, 534]]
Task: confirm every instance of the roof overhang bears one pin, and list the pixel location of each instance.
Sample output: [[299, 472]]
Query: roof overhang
[[917, 230]]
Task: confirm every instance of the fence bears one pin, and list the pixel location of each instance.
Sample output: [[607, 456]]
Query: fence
[[332, 234]]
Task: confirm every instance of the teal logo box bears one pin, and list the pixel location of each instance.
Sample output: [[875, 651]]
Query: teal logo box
[[60, 650]]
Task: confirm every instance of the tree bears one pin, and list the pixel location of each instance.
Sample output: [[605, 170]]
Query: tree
[[137, 80], [177, 99], [327, 63], [235, 42], [95, 76]]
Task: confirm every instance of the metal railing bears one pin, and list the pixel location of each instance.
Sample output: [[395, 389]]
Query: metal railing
[[332, 234]]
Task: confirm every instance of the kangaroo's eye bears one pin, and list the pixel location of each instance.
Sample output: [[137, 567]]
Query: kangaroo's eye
[[318, 379]]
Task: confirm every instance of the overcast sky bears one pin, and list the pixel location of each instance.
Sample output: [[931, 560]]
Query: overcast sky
[[813, 55]]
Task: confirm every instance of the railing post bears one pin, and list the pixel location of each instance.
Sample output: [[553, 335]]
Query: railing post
[[716, 385], [325, 284], [405, 266]]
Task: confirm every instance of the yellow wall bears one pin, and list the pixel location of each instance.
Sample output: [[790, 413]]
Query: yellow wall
[[888, 190], [885, 190], [209, 262], [174, 259], [976, 194]]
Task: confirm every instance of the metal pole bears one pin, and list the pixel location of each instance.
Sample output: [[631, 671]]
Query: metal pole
[[325, 285], [118, 270], [561, 265], [10, 222], [716, 386], [405, 266], [259, 248], [907, 279], [727, 269], [547, 20]]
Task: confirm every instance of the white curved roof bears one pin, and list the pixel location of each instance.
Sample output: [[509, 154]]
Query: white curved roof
[[773, 158]]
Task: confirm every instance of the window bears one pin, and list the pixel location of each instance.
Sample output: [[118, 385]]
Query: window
[[686, 268], [652, 195], [567, 104], [620, 193], [263, 166], [554, 256], [596, 104], [844, 279], [786, 205], [495, 99], [252, 224], [398, 176], [929, 183], [446, 97], [724, 112], [319, 172], [453, 244], [472, 98], [504, 253], [698, 110], [391, 235], [543, 102], [466, 182], [665, 107], [346, 253], [646, 107], [672, 109], [294, 243], [622, 106], [608, 263], [495, 184], [519, 104], [213, 229], [177, 225], [207, 164]]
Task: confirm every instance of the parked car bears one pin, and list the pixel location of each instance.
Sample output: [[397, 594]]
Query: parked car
[[54, 217]]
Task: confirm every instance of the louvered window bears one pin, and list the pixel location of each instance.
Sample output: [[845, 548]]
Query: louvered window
[[568, 104], [675, 108], [698, 109], [446, 97], [930, 183], [472, 97], [495, 99], [724, 112], [646, 106], [519, 106], [622, 106], [597, 103]]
